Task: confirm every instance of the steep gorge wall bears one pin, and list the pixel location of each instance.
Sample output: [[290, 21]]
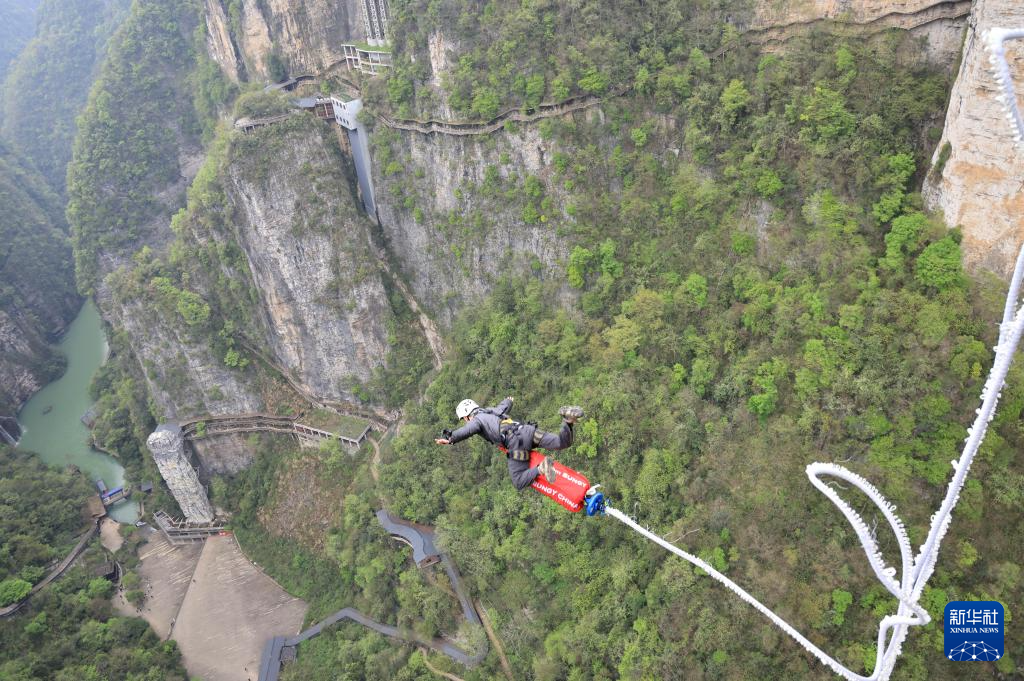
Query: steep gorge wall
[[322, 298], [306, 34], [37, 292], [450, 235], [981, 184]]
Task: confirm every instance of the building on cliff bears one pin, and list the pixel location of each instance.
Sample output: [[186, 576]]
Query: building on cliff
[[366, 60]]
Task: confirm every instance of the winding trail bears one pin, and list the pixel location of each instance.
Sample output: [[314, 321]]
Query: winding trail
[[421, 539], [55, 573], [434, 669], [519, 115], [485, 618], [949, 10]]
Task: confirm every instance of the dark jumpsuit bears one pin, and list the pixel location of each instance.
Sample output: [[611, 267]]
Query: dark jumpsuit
[[518, 438]]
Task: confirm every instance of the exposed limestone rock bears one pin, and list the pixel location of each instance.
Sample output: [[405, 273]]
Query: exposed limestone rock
[[445, 268], [981, 185], [17, 382], [184, 376], [226, 454], [307, 34], [218, 40], [322, 296]]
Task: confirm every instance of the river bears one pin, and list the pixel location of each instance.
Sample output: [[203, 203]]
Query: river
[[51, 421]]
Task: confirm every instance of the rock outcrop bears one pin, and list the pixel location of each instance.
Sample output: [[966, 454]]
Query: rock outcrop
[[322, 296], [977, 181], [450, 242], [305, 34]]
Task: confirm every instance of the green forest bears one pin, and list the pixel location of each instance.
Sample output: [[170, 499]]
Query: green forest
[[68, 631], [48, 83], [37, 290], [751, 283], [16, 30]]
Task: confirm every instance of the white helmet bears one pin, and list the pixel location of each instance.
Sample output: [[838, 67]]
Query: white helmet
[[465, 408]]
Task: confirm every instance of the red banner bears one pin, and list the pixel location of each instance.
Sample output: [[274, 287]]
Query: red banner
[[569, 487]]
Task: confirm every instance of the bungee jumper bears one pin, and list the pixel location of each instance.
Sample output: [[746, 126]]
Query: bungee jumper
[[526, 466]]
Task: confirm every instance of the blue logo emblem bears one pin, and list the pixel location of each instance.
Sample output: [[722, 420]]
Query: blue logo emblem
[[974, 631]]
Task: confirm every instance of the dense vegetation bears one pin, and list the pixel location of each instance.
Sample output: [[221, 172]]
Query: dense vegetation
[[48, 83], [354, 565], [793, 305], [37, 293], [756, 287], [524, 53], [40, 516], [113, 181], [17, 24], [67, 631]]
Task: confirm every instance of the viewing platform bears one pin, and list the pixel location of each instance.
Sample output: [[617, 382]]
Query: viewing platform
[[179, 532]]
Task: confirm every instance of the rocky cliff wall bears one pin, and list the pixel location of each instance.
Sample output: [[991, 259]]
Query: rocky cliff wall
[[768, 13], [224, 454], [306, 34], [980, 184], [454, 212], [939, 22], [322, 298]]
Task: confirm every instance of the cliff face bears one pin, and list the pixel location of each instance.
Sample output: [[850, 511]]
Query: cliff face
[[980, 184], [306, 34], [939, 22], [273, 241], [455, 216], [322, 299]]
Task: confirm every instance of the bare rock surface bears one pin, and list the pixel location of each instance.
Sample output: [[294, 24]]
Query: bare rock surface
[[322, 298], [981, 184]]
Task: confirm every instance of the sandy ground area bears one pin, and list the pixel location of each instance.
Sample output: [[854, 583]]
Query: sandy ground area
[[229, 612], [166, 573], [110, 537]]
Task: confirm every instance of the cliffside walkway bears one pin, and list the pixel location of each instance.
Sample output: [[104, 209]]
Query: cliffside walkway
[[56, 572], [780, 33], [421, 539], [198, 428], [519, 115]]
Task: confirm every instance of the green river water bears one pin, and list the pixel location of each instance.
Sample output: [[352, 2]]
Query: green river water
[[51, 421]]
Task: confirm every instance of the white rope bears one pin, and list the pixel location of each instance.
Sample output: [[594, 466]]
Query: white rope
[[914, 574], [994, 41]]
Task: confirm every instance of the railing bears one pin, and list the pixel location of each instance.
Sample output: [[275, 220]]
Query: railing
[[198, 428], [179, 532]]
